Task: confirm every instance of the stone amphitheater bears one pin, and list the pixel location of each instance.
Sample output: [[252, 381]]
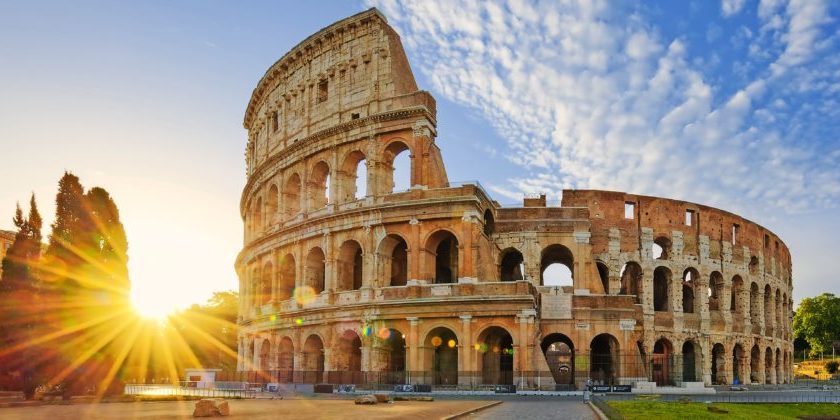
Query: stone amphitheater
[[363, 264]]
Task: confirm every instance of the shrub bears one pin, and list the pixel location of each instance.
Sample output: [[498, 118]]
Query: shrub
[[832, 366]]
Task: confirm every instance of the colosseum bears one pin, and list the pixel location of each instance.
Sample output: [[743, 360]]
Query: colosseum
[[363, 264]]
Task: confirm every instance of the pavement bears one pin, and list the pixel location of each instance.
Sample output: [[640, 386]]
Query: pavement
[[537, 408]]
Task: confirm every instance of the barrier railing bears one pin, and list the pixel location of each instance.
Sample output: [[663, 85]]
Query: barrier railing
[[185, 388]]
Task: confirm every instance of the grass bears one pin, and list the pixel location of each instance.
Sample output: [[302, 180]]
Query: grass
[[640, 409]]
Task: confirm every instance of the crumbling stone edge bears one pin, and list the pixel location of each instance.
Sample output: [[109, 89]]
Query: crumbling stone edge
[[472, 410]]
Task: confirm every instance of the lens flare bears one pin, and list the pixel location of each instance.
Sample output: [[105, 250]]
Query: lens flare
[[299, 321], [437, 341], [482, 347], [304, 295], [384, 333], [451, 343]]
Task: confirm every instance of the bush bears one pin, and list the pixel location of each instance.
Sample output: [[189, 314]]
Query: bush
[[832, 367]]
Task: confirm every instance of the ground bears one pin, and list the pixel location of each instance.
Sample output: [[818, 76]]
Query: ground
[[636, 409], [538, 408]]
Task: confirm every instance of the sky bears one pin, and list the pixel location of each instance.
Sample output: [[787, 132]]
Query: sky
[[732, 104]]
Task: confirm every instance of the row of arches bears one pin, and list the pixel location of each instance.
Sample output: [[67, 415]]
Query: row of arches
[[686, 293], [556, 265], [739, 367], [321, 185]]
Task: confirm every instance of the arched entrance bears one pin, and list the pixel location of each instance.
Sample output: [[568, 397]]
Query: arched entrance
[[661, 289], [779, 377], [718, 365], [286, 280], [511, 268], [445, 246], [441, 356], [691, 362], [662, 362], [315, 269], [631, 280], [391, 355], [768, 366], [286, 361], [559, 353], [603, 359], [262, 367], [393, 257], [347, 359], [313, 360], [496, 348], [557, 266], [350, 266], [755, 364], [738, 361]]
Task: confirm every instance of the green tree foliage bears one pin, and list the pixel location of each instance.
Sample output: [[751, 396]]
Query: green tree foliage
[[832, 366], [210, 330], [818, 321]]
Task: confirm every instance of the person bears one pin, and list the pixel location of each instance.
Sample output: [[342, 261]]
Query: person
[[586, 390]]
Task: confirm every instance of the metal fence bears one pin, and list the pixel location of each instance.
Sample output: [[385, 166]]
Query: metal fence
[[217, 390]]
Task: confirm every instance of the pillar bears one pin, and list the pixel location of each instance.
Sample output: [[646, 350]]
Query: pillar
[[465, 350]]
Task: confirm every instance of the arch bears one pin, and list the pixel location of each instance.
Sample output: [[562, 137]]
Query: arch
[[258, 218], [392, 354], [661, 289], [754, 308], [393, 257], [779, 375], [347, 358], [661, 248], [291, 196], [271, 203], [631, 280], [559, 352], [737, 288], [255, 289], [556, 266], [286, 278], [263, 371], [313, 359], [352, 178], [285, 360], [691, 361], [512, 265], [691, 280], [778, 312], [603, 357], [768, 309], [739, 360], [266, 281], [716, 291], [445, 256], [768, 366], [319, 186], [397, 163], [662, 362], [489, 223], [495, 345], [718, 364], [755, 364], [604, 275], [350, 265], [753, 266], [441, 356], [315, 270]]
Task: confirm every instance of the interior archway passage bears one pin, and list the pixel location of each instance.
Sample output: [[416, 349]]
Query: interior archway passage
[[557, 266], [604, 359], [350, 264], [445, 246], [393, 257], [512, 265], [441, 356], [496, 348], [559, 353], [631, 280]]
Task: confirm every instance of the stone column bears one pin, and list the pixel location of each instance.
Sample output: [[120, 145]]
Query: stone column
[[465, 349], [412, 345]]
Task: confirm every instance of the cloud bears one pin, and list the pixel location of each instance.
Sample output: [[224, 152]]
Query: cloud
[[591, 95], [731, 7]]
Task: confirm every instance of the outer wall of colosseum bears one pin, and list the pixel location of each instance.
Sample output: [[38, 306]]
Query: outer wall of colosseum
[[346, 280]]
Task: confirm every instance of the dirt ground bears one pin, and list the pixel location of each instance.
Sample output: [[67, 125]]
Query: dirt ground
[[250, 409]]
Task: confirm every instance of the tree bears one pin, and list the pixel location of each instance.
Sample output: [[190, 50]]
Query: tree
[[818, 321], [104, 242]]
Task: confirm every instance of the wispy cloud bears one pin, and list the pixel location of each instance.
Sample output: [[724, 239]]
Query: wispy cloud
[[592, 95]]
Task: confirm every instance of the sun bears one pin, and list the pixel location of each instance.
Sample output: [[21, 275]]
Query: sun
[[152, 306]]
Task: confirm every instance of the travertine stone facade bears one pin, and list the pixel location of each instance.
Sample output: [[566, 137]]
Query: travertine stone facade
[[439, 284]]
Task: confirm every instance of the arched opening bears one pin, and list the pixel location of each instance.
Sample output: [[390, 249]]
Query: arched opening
[[753, 265], [286, 283], [603, 359], [393, 254], [265, 283], [445, 246], [255, 288], [691, 279], [559, 353], [353, 178], [778, 312], [556, 264], [661, 289], [715, 291], [737, 289], [754, 308], [442, 356], [350, 266], [489, 222], [397, 162], [779, 377], [768, 310], [286, 361], [495, 346], [786, 368], [738, 362], [263, 367], [315, 269], [691, 363], [258, 219], [271, 204], [512, 265], [347, 359], [768, 366], [392, 354], [718, 364], [631, 280], [604, 275], [755, 364], [661, 248], [291, 196], [662, 362], [319, 184], [313, 360]]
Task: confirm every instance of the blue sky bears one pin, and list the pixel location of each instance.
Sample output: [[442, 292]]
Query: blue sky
[[733, 104]]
